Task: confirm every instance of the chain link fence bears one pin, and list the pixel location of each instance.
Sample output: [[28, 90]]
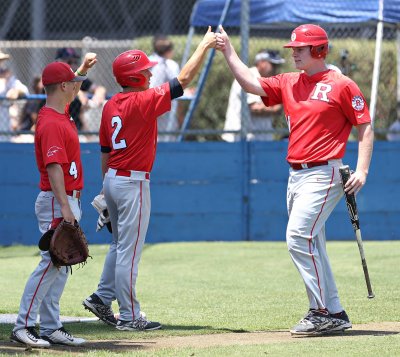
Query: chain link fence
[[352, 51], [33, 31]]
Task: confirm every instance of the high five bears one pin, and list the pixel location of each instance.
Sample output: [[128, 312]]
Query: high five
[[128, 139], [321, 107]]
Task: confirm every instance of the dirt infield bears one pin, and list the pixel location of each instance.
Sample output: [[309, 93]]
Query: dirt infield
[[202, 341]]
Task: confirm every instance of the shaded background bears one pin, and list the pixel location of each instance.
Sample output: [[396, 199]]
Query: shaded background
[[32, 31]]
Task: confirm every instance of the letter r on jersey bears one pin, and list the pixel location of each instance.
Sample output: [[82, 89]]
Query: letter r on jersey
[[321, 92]]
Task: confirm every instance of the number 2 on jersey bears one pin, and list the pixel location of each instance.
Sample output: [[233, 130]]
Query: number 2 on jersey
[[117, 123]]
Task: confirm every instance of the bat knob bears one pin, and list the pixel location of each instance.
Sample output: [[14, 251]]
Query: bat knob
[[371, 296]]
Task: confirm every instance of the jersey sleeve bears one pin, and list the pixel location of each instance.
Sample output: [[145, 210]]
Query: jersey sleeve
[[53, 144], [272, 87], [354, 105], [155, 101], [104, 137]]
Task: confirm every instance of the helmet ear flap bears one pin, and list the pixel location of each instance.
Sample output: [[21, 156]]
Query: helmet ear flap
[[140, 79], [319, 51], [133, 80]]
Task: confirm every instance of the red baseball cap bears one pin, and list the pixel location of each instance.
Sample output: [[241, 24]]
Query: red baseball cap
[[58, 72]]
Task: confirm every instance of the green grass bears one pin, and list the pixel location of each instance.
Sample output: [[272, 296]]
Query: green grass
[[208, 288], [367, 347]]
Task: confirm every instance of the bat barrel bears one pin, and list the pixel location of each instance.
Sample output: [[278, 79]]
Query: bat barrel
[[371, 295]]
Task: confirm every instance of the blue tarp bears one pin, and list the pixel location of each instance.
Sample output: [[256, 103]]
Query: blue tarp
[[208, 12]]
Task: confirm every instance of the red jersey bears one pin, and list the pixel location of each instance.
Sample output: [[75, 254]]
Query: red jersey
[[56, 141], [320, 111], [128, 127]]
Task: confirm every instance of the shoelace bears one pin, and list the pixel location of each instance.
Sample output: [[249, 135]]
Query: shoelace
[[65, 333], [105, 310], [32, 334], [311, 317], [309, 314], [140, 323]]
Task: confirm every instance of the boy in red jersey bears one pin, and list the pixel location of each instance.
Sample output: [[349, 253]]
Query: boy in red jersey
[[61, 180], [128, 139], [321, 107]]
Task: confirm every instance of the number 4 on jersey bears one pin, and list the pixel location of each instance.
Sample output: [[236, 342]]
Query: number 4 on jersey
[[73, 171], [117, 123]]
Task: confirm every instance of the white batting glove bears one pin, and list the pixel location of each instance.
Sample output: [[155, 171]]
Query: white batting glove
[[100, 205], [103, 219]]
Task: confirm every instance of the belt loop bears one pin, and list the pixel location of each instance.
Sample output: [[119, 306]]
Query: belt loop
[[111, 172], [74, 194]]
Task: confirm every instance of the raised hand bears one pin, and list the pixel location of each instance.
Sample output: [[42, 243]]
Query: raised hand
[[90, 60], [222, 40], [209, 39]]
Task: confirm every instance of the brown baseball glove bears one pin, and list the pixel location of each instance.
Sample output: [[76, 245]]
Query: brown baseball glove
[[68, 245]]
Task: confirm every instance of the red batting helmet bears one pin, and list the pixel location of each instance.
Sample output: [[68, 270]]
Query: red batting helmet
[[310, 35], [127, 66]]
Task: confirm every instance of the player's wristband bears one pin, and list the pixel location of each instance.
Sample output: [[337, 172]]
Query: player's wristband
[[80, 74]]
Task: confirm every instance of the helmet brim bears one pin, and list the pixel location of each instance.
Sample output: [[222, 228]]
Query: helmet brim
[[295, 44], [149, 65], [304, 44]]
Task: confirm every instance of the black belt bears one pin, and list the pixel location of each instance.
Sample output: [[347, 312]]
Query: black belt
[[307, 165]]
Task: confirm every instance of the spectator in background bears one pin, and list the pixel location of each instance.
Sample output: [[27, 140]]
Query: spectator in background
[[333, 67], [71, 57], [261, 117], [31, 109], [29, 114], [91, 112], [82, 109], [163, 72], [394, 129], [10, 88]]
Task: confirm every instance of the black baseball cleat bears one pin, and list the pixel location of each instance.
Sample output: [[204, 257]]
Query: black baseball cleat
[[29, 337], [340, 322], [104, 312], [316, 322], [140, 324]]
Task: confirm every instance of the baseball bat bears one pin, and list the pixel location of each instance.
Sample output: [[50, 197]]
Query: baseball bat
[[355, 222]]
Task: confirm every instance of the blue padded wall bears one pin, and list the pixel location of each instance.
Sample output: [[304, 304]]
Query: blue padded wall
[[206, 192]]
